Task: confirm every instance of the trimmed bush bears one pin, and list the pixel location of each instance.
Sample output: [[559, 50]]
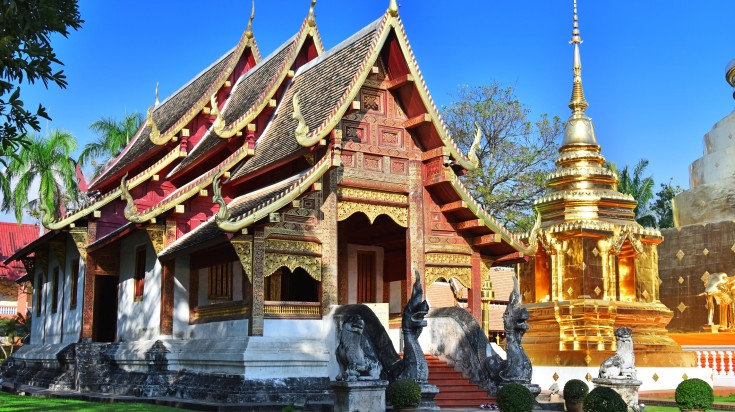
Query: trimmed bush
[[575, 390], [694, 394], [515, 397], [602, 399], [404, 393]]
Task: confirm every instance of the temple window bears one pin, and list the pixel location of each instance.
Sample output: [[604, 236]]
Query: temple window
[[139, 276], [55, 290], [220, 282], [74, 283]]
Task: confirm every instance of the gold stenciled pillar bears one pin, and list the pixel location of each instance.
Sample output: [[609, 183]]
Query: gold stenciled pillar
[[596, 268]]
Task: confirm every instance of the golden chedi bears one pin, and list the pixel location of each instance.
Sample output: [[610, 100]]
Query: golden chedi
[[596, 268]]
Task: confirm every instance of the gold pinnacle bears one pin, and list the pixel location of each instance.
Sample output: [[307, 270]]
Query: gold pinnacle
[[157, 102], [249, 30], [311, 18], [393, 8]]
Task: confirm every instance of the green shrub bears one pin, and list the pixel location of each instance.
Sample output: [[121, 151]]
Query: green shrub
[[404, 393], [575, 390], [602, 399], [694, 394], [515, 397]]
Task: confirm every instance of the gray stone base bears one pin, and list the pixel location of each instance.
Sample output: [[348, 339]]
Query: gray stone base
[[627, 388], [428, 393], [367, 395]]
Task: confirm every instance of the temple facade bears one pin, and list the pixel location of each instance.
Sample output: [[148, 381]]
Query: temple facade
[[596, 268], [256, 198]]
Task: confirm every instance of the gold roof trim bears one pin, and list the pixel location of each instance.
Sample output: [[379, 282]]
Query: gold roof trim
[[246, 40], [113, 194], [583, 195], [581, 171], [302, 129], [311, 17], [330, 159], [472, 153], [187, 191], [598, 225], [229, 130], [488, 220], [249, 29]]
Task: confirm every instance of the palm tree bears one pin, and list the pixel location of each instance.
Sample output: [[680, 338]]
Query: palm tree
[[112, 136], [46, 162], [641, 188]]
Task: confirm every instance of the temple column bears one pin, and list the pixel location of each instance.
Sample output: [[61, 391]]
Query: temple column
[[415, 232], [329, 239], [256, 317], [88, 295], [474, 295], [167, 281], [486, 295]]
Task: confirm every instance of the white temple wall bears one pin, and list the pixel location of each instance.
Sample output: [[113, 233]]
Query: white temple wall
[[181, 297], [52, 321], [37, 323], [137, 320]]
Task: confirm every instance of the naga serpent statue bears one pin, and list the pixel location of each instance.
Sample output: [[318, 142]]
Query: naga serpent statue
[[414, 363]]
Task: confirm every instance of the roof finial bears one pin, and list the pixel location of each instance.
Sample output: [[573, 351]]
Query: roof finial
[[311, 18], [157, 102], [730, 75], [249, 30], [578, 104], [393, 8]]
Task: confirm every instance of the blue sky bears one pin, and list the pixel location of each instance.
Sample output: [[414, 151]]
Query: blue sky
[[653, 71]]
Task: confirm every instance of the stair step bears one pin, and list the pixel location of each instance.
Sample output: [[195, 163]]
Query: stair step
[[455, 390], [460, 388], [448, 403], [445, 375]]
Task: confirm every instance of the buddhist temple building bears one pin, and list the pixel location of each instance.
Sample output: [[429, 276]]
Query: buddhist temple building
[[596, 268], [253, 200]]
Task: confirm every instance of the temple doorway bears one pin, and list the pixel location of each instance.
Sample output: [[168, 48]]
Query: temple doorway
[[372, 260], [104, 323]]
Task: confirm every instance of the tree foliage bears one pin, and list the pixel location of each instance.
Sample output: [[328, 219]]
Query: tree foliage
[[47, 163], [515, 154], [662, 206], [112, 137], [26, 56], [633, 182]]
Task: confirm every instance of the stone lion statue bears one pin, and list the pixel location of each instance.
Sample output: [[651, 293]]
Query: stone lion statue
[[621, 365], [354, 362]]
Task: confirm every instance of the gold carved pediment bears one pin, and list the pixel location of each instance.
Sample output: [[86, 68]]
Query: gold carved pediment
[[463, 274], [347, 209], [311, 264]]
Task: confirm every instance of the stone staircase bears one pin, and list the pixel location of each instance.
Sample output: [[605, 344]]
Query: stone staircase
[[455, 390]]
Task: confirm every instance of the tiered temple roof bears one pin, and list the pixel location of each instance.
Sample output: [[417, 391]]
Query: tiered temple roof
[[243, 117]]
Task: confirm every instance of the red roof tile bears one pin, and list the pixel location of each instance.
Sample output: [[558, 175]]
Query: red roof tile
[[12, 238]]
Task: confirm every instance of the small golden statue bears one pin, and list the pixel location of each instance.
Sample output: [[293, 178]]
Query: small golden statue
[[720, 289]]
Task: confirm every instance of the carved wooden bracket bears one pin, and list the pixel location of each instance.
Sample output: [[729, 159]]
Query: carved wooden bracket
[[244, 249], [59, 249], [311, 264], [156, 234], [80, 237], [463, 274], [28, 264], [42, 256]]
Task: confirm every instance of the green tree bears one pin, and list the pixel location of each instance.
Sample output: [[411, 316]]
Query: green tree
[[633, 182], [112, 137], [26, 55], [47, 162], [515, 153], [662, 206]]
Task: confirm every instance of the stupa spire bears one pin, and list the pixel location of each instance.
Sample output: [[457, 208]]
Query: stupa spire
[[578, 103]]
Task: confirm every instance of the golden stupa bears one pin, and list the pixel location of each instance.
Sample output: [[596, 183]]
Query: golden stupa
[[596, 268]]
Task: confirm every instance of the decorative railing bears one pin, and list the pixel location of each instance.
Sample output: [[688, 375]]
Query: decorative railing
[[6, 311], [717, 358], [219, 311], [292, 310]]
